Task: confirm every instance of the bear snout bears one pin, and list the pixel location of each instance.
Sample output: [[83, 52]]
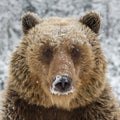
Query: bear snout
[[62, 85]]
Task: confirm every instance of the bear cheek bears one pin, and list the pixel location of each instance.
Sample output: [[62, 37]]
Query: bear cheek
[[37, 68]]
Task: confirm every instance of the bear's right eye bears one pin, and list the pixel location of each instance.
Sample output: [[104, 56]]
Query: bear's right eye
[[75, 52], [48, 54]]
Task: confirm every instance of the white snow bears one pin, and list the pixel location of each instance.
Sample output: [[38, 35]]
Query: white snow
[[37, 81]]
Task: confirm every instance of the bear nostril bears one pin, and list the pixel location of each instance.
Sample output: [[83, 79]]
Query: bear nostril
[[64, 83], [58, 85]]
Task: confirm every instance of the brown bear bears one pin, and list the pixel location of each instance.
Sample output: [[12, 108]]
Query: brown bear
[[58, 72]]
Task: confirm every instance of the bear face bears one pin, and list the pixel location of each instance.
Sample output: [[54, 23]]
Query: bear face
[[59, 61]]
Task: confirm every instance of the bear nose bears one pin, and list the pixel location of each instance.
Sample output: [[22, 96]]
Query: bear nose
[[63, 83]]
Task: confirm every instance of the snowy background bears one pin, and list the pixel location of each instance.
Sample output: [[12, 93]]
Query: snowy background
[[10, 28]]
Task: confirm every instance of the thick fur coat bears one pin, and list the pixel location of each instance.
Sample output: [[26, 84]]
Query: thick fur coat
[[59, 46]]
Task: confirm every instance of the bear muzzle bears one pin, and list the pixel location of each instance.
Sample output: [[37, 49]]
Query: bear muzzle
[[62, 85]]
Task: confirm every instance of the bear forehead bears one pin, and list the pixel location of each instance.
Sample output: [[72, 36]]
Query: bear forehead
[[59, 21], [63, 24], [60, 30]]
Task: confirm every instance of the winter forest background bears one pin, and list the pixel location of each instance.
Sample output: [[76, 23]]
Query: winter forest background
[[10, 28]]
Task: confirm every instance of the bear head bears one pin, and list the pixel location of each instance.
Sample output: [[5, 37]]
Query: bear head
[[59, 61]]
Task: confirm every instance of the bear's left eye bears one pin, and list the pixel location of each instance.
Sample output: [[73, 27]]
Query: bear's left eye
[[75, 52]]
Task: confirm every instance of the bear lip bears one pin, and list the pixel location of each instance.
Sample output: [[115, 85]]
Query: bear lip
[[53, 91]]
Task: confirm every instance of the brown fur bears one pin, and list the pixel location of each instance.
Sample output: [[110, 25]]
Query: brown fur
[[92, 20], [56, 46]]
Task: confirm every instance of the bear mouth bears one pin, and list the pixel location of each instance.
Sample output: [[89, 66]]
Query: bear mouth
[[55, 92]]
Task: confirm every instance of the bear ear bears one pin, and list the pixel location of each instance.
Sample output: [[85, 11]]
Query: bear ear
[[92, 20], [29, 20]]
